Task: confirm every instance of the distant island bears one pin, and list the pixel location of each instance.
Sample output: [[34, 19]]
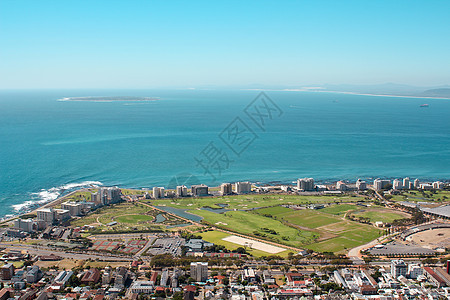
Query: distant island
[[109, 98]]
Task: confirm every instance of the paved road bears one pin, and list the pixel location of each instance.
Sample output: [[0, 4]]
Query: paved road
[[71, 255]]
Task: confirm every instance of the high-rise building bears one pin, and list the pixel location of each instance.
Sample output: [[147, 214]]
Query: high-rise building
[[7, 271], [438, 185], [361, 185], [199, 190], [242, 187], [74, 208], [199, 271], [181, 191], [416, 183], [48, 215], [397, 184], [414, 271], [158, 192], [406, 183], [226, 189], [398, 268], [379, 184], [26, 225], [305, 184]]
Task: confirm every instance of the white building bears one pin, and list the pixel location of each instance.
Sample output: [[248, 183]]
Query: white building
[[406, 182], [242, 187], [226, 189], [398, 268], [341, 186], [305, 184], [74, 208], [158, 192], [199, 271], [397, 184], [181, 191], [27, 225], [414, 271], [48, 215], [379, 184], [141, 287], [416, 183], [361, 185], [426, 186], [438, 185]]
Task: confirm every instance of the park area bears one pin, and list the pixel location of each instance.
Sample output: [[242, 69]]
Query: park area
[[127, 216], [272, 218]]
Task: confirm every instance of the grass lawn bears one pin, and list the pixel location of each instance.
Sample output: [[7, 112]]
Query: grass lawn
[[334, 245], [250, 201], [338, 209], [217, 236], [273, 211], [134, 219], [422, 196], [252, 223], [309, 218], [381, 214]]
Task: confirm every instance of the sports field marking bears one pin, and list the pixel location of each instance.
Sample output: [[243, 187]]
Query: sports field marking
[[253, 244]]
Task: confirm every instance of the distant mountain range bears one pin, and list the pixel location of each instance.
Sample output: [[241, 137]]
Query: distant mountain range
[[439, 93]]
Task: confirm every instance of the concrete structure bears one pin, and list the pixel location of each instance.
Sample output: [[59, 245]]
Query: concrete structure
[[249, 275], [199, 190], [379, 184], [33, 275], [27, 225], [63, 277], [341, 186], [74, 208], [414, 271], [361, 185], [406, 183], [48, 215], [416, 183], [397, 184], [62, 215], [438, 185], [141, 287], [7, 271], [398, 268], [242, 187], [199, 271], [158, 192], [305, 184], [226, 189], [181, 191]]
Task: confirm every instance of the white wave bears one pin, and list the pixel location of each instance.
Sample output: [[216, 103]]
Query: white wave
[[46, 196]]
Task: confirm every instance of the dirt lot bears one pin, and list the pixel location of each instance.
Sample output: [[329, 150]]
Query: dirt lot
[[432, 238]]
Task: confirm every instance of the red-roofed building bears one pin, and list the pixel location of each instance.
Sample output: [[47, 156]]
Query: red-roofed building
[[297, 279], [153, 278], [4, 294], [91, 276], [189, 292], [435, 278]]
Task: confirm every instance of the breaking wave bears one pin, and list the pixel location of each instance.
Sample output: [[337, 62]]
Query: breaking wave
[[46, 196]]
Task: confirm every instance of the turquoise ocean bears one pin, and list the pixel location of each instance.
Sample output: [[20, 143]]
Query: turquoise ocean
[[49, 147]]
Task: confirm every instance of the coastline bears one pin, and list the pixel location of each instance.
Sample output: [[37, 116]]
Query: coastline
[[347, 93]]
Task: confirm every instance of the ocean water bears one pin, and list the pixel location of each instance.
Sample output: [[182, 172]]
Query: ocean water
[[48, 147]]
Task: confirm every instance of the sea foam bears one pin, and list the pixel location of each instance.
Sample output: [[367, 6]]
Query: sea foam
[[46, 196]]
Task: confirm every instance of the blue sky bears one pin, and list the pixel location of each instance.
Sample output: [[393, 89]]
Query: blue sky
[[146, 44]]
